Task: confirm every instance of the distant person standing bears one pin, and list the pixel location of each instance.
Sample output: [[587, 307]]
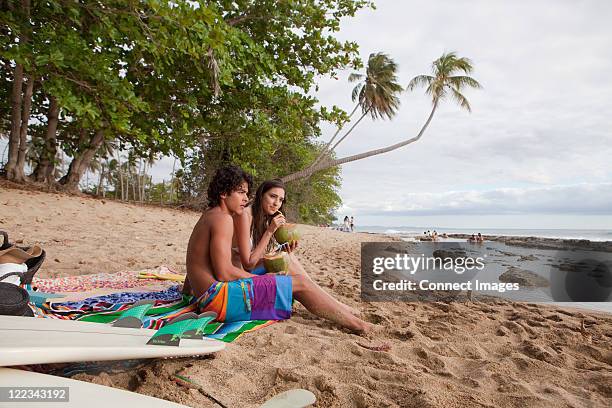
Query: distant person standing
[[347, 224], [352, 224]]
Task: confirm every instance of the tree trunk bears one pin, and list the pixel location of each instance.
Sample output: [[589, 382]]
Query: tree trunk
[[46, 164], [80, 163], [333, 163], [100, 180], [13, 144], [134, 181], [172, 181], [13, 171], [120, 172], [23, 131], [161, 194], [326, 148]]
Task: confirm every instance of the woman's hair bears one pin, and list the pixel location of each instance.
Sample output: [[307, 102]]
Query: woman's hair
[[225, 181], [260, 219]]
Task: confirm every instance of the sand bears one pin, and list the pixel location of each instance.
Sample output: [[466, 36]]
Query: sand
[[433, 355]]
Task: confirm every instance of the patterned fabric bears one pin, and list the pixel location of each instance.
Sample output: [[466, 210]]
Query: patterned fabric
[[266, 297], [118, 280], [169, 302], [101, 303]]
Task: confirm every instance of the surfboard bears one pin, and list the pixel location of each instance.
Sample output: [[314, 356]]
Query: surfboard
[[83, 394], [27, 340], [296, 398], [78, 393]]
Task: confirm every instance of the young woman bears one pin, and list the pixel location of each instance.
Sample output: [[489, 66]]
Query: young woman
[[254, 228], [254, 234]]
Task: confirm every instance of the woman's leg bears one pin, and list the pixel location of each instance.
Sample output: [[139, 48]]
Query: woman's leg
[[317, 301], [296, 268]]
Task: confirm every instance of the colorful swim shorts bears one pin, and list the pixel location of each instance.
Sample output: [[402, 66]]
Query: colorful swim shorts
[[266, 297]]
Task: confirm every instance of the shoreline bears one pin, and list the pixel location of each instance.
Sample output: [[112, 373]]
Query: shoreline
[[545, 243]]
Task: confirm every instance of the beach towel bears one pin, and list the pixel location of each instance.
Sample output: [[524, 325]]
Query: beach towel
[[101, 303], [266, 297], [176, 277], [169, 303], [118, 280]]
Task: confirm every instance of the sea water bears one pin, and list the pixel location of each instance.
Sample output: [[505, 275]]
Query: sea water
[[411, 232], [503, 256]]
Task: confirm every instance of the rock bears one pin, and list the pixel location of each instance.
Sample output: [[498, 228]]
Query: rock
[[453, 254], [523, 277], [528, 258]]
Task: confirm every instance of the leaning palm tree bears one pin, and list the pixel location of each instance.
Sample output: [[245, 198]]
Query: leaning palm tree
[[376, 93], [443, 83]]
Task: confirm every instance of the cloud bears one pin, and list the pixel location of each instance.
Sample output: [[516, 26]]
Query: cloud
[[540, 132], [582, 199]]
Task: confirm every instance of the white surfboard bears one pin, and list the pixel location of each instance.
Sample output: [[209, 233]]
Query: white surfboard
[[79, 394], [296, 398], [28, 340], [83, 394]]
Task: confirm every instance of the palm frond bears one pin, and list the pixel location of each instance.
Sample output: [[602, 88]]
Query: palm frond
[[353, 77], [419, 80], [461, 100], [464, 81]]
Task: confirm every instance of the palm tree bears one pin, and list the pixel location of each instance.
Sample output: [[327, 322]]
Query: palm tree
[[444, 82], [376, 94]]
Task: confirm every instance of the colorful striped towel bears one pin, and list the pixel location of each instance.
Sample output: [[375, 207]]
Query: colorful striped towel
[[169, 303]]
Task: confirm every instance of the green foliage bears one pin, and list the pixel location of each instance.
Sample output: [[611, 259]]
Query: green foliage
[[272, 138], [205, 81]]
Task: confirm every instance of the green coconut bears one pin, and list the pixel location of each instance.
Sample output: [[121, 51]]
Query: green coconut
[[276, 262], [287, 233]]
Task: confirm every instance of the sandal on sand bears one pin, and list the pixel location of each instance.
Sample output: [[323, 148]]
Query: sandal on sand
[[19, 255], [5, 241], [34, 265], [14, 299], [32, 257]]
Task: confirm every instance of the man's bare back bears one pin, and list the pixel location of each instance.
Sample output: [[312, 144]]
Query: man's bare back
[[209, 258]]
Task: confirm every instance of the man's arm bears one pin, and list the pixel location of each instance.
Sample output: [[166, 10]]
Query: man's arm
[[222, 230]]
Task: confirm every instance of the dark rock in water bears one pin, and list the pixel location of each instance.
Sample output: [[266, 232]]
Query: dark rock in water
[[528, 258], [399, 248], [547, 243], [453, 254], [523, 277]]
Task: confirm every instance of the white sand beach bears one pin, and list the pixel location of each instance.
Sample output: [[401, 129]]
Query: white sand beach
[[424, 355]]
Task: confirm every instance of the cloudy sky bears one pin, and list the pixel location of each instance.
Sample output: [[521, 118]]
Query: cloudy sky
[[536, 151]]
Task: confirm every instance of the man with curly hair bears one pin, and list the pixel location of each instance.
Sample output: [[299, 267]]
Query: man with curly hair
[[233, 293]]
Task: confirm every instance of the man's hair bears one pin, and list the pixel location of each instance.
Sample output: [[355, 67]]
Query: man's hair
[[226, 180]]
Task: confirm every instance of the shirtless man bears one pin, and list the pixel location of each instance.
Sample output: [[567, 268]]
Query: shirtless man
[[233, 293]]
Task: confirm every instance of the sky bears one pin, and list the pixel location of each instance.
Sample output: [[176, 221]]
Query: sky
[[536, 150]]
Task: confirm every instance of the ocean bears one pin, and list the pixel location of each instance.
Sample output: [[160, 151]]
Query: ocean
[[410, 232], [511, 255]]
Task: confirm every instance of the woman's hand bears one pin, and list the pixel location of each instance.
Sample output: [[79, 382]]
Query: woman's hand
[[289, 246], [276, 222]]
